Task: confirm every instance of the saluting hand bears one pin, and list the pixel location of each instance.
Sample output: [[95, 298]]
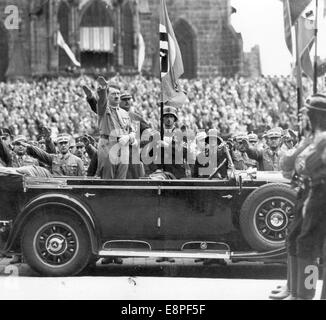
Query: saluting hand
[[91, 139], [85, 140], [102, 82], [46, 132]]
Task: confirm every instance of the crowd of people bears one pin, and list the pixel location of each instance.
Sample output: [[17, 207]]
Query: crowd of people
[[215, 132], [229, 105]]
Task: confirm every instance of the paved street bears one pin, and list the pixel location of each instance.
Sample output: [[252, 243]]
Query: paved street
[[145, 279]]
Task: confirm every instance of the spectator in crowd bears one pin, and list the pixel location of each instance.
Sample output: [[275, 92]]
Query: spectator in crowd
[[63, 163], [20, 158], [267, 158], [229, 105]]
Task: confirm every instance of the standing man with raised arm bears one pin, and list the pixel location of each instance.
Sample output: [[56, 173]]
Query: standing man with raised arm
[[116, 133]]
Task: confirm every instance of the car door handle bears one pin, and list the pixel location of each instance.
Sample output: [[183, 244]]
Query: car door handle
[[87, 195], [228, 196]]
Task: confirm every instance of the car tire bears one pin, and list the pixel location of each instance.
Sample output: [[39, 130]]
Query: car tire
[[265, 216], [56, 244]]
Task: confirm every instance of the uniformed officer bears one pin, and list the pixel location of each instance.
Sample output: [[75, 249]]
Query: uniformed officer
[[212, 157], [267, 158], [81, 152], [292, 164], [173, 154], [20, 158], [116, 133], [307, 234], [136, 168], [311, 242], [253, 139], [240, 157], [63, 163]]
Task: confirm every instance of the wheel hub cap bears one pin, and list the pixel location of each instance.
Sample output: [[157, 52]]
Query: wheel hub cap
[[272, 218], [56, 243]]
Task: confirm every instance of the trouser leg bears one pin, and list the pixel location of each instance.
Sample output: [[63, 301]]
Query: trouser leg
[[292, 275]]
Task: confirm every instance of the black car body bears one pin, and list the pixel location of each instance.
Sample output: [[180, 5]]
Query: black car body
[[61, 224]]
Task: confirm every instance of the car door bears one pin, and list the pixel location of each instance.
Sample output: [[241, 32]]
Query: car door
[[125, 210], [196, 210]]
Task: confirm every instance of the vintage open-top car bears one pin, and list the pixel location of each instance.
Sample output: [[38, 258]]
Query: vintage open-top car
[[60, 225]]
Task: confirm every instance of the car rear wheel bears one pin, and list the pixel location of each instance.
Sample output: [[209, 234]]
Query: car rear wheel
[[56, 244], [265, 216]]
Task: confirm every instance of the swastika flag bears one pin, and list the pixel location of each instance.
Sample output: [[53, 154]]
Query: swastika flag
[[171, 65]]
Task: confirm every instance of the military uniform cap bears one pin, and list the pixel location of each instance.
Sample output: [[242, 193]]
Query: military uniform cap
[[125, 95], [170, 110], [316, 102], [79, 142], [63, 137], [241, 136], [274, 133], [252, 137], [19, 138]]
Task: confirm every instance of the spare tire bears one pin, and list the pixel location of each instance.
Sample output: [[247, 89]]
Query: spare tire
[[266, 214]]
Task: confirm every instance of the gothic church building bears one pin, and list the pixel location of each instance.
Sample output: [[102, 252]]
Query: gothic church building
[[106, 36]]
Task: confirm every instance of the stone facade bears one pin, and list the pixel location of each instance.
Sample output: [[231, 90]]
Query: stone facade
[[252, 64], [208, 42]]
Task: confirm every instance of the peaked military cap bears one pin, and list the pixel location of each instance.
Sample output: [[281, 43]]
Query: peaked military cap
[[63, 137], [274, 133], [252, 137], [19, 138], [316, 102], [125, 95], [241, 136], [79, 142]]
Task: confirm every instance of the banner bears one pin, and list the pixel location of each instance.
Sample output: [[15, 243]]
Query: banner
[[96, 39], [306, 38], [141, 52], [61, 43], [292, 10], [171, 65]]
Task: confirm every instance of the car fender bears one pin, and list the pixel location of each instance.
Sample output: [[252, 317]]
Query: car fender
[[58, 200]]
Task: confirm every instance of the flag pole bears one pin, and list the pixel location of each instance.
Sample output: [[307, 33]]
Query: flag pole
[[161, 114], [299, 81], [315, 89]]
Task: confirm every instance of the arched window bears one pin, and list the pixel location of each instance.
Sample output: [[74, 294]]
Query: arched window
[[187, 42], [96, 36], [63, 20], [4, 52], [128, 36]]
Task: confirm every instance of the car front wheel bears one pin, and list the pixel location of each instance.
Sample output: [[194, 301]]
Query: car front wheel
[[266, 214], [56, 244]]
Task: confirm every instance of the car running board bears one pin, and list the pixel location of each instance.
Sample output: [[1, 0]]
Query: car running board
[[166, 254]]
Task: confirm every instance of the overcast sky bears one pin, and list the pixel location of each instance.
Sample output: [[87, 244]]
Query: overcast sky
[[261, 22]]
